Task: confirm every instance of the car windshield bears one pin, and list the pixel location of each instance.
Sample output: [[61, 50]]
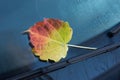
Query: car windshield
[[88, 19]]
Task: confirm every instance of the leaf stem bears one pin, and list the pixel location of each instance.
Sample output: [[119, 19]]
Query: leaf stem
[[84, 47]]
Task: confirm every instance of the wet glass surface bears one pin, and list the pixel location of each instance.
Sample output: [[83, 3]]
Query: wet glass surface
[[87, 18]]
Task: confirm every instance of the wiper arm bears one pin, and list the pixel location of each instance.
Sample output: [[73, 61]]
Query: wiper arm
[[60, 65]]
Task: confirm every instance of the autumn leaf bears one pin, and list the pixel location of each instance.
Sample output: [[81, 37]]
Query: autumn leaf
[[50, 38]]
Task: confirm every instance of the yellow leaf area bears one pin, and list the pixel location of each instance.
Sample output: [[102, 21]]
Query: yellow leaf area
[[49, 39]]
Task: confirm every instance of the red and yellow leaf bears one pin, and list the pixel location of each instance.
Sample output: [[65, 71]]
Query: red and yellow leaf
[[49, 39]]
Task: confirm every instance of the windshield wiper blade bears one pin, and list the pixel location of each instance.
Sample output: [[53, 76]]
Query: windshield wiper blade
[[114, 31], [60, 65]]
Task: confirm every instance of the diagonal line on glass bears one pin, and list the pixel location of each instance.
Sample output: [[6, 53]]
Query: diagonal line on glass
[[63, 64]]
